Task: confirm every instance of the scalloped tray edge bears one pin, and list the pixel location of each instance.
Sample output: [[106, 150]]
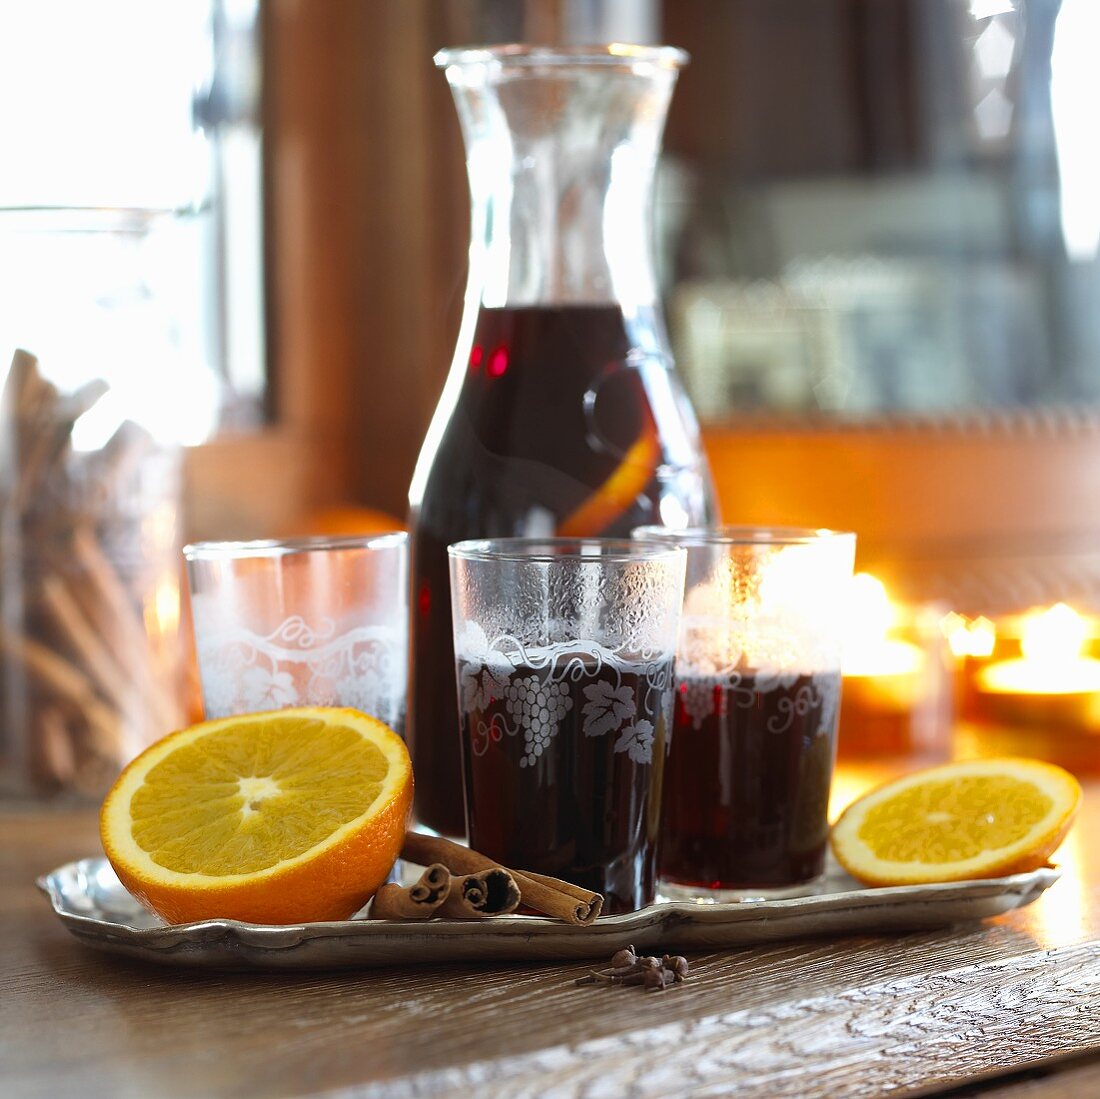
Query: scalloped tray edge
[[93, 905]]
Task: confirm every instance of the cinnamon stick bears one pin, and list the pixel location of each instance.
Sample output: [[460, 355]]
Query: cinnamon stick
[[486, 893], [68, 685], [102, 596], [574, 891], [53, 758], [48, 444], [80, 637], [553, 900], [544, 894], [419, 901], [24, 394], [122, 455], [47, 668], [98, 686]]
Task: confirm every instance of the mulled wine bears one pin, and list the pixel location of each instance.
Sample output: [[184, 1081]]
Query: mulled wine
[[563, 757], [746, 787], [551, 429]]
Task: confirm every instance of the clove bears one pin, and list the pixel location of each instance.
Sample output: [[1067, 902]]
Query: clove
[[657, 980], [623, 957], [627, 968], [677, 965]]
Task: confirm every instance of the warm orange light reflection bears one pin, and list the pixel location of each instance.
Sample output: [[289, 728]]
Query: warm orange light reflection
[[868, 648], [1058, 917], [1052, 663], [852, 780], [166, 605], [968, 636]]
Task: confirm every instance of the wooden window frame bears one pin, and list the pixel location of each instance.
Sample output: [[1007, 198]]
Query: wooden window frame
[[367, 229]]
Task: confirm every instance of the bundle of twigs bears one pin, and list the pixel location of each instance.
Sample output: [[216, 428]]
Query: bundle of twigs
[[82, 684]]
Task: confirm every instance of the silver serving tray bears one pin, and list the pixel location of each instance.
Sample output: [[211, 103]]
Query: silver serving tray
[[95, 907]]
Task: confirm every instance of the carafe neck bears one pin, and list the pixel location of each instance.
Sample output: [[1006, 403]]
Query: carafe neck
[[561, 147]]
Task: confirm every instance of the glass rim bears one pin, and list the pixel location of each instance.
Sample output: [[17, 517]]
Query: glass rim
[[288, 547], [600, 551], [740, 535], [522, 55]]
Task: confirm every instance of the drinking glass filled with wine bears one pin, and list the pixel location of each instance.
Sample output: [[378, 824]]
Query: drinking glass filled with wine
[[565, 655], [746, 785]]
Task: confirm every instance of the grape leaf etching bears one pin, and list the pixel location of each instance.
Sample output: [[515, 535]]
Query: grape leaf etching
[[480, 685], [607, 708], [486, 673], [637, 741]]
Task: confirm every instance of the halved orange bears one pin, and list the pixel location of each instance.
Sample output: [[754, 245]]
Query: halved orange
[[981, 818], [284, 817]]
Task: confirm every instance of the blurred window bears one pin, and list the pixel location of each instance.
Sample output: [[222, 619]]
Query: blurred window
[[148, 111], [884, 208]]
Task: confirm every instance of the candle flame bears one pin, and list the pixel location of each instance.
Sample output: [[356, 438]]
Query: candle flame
[[1054, 635], [871, 606]]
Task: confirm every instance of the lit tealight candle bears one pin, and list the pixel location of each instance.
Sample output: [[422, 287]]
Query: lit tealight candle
[[1045, 702], [869, 650], [890, 706], [1052, 662]]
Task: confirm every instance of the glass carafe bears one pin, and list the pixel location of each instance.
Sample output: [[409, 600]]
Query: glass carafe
[[562, 413]]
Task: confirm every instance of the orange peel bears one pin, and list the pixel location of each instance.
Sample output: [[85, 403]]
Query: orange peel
[[980, 818], [284, 817], [618, 493]]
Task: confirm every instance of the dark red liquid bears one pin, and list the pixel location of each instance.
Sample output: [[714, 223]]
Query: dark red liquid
[[556, 785], [747, 783], [555, 399]]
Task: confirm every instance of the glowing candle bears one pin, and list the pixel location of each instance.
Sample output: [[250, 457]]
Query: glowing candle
[[894, 698], [869, 650], [1045, 702], [1052, 662], [969, 637]]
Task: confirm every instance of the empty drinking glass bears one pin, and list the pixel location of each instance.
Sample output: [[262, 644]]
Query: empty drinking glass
[[308, 622]]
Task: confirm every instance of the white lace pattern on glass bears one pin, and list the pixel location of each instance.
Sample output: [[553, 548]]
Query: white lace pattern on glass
[[701, 675], [299, 664]]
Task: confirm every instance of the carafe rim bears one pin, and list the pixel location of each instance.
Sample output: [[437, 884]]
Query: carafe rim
[[522, 55]]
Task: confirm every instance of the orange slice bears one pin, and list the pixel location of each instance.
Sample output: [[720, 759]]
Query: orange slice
[[618, 493], [283, 817], [979, 819]]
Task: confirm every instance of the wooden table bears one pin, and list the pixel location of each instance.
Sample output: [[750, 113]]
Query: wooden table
[[911, 1015]]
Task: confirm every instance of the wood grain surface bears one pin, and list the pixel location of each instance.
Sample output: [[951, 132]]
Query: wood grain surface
[[835, 1017], [1063, 1078]]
